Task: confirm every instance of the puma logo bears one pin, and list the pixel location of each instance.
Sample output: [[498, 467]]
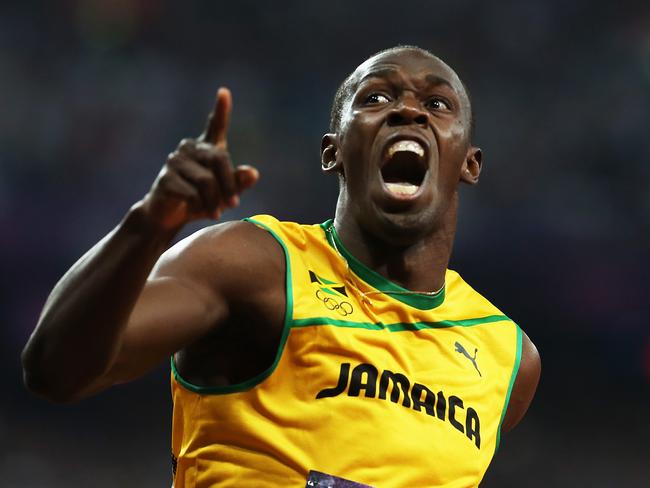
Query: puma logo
[[463, 351]]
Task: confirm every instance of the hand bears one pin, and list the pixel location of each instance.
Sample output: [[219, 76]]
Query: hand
[[198, 180]]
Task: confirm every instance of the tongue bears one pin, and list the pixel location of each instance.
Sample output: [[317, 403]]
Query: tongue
[[402, 188]]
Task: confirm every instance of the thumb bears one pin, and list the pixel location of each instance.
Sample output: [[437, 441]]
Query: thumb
[[245, 177]]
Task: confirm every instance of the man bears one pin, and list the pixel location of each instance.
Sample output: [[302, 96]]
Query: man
[[345, 350]]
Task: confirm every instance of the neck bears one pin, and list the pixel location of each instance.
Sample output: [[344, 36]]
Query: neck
[[418, 266]]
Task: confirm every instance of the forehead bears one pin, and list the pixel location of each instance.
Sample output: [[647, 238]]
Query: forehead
[[410, 64]]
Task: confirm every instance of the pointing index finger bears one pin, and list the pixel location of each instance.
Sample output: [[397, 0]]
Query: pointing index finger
[[216, 129]]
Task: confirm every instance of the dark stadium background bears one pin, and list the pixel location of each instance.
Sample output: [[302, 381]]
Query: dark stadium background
[[95, 93]]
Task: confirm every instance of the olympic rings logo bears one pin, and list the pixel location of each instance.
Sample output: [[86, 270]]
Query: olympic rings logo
[[343, 308]]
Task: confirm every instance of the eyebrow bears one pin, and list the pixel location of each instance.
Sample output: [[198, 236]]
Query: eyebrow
[[437, 81], [387, 72], [379, 73]]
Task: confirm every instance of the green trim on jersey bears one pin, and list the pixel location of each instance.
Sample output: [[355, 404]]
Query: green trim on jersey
[[374, 279], [513, 377], [399, 326], [288, 314]]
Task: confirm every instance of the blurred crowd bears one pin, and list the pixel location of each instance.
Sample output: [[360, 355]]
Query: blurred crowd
[[95, 93]]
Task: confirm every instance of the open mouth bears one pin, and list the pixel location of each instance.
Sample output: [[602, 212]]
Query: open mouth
[[405, 168]]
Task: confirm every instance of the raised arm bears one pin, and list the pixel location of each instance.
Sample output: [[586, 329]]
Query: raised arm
[[94, 326]]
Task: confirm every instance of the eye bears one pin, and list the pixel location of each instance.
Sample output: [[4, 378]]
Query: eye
[[438, 104], [376, 99]]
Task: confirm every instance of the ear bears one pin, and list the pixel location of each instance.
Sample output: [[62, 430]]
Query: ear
[[329, 154], [471, 168]]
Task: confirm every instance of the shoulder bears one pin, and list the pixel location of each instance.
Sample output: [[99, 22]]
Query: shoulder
[[227, 256], [287, 233], [525, 385]]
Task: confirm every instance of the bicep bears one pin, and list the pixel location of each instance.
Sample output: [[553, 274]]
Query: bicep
[[171, 313], [190, 294], [180, 303], [525, 385]]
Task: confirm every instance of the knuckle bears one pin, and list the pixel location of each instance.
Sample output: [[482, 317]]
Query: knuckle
[[204, 180], [222, 166], [204, 146], [174, 160], [164, 178], [206, 152], [186, 144], [221, 153]]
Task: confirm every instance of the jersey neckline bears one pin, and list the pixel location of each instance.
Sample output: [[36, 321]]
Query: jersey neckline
[[420, 301]]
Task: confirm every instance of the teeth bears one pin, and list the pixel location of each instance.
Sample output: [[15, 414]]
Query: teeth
[[402, 188], [410, 146]]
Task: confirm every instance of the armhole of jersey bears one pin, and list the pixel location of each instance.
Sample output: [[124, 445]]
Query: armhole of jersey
[[288, 315], [513, 377]]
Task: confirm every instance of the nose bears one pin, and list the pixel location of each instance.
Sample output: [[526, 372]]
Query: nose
[[408, 111]]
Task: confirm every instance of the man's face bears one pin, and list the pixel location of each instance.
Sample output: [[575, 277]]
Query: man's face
[[402, 144]]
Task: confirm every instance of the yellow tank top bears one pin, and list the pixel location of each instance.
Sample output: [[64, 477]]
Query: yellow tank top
[[370, 383]]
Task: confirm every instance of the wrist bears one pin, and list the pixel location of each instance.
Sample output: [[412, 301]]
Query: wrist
[[138, 220]]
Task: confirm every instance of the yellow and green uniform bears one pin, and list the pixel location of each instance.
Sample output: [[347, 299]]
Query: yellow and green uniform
[[370, 383]]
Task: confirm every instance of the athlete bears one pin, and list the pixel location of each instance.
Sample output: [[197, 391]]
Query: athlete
[[305, 355]]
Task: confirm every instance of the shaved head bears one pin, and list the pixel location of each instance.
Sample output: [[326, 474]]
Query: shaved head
[[346, 89]]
